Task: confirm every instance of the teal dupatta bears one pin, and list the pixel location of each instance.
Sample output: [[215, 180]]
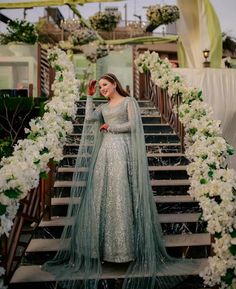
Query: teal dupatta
[[77, 264]]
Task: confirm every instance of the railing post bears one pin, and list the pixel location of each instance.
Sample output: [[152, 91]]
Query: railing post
[[46, 191]]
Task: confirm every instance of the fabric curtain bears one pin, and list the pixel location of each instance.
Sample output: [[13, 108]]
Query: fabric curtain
[[218, 87], [198, 29]]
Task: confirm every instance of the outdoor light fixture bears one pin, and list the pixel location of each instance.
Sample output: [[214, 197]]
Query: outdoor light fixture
[[206, 53]]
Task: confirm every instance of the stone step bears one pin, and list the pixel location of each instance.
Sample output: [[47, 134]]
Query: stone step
[[149, 137], [96, 102], [158, 199], [66, 173], [151, 168], [143, 110], [178, 240], [154, 159], [146, 118], [149, 155], [73, 147], [33, 274], [154, 183], [58, 221], [148, 128]]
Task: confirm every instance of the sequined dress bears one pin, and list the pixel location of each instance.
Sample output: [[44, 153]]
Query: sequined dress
[[112, 183]]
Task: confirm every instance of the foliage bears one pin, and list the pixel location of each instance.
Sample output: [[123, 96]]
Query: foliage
[[229, 43], [106, 20], [15, 114], [19, 31], [5, 147], [158, 15]]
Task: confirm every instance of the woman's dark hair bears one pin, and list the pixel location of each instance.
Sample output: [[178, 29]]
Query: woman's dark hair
[[113, 79]]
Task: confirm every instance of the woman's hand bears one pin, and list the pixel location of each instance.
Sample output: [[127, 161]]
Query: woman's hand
[[92, 87], [104, 127]]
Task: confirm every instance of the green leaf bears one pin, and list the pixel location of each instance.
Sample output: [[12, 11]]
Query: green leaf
[[192, 131], [218, 235], [232, 250], [230, 150], [203, 181], [58, 67], [212, 166], [177, 78], [3, 209], [199, 94], [233, 234], [204, 157], [229, 276], [210, 174], [60, 78], [44, 151], [13, 193], [36, 162], [33, 135], [43, 175]]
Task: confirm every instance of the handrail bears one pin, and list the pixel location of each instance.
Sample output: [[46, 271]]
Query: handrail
[[165, 106], [32, 209]]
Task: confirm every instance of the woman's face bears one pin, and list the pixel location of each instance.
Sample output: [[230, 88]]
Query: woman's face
[[106, 88]]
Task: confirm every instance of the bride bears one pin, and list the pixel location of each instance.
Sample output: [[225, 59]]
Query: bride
[[115, 220]]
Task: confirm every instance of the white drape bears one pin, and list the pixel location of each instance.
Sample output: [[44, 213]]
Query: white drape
[[198, 28], [219, 91]]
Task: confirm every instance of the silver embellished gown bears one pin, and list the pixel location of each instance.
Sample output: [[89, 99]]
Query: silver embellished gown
[[112, 183]]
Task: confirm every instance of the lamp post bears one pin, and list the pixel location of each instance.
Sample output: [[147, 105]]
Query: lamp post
[[206, 53]]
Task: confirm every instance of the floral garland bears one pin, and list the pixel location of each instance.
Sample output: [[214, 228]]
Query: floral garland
[[158, 15], [213, 184], [44, 142]]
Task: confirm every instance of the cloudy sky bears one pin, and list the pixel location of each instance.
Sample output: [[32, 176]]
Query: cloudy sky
[[225, 9]]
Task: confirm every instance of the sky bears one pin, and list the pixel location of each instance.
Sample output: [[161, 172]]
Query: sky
[[225, 10]]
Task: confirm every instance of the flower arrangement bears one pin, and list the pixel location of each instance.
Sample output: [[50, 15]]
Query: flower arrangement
[[82, 36], [19, 31], [158, 15], [44, 142], [106, 20], [212, 183], [95, 51]]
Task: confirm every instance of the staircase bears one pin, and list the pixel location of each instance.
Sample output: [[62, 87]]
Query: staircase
[[184, 232]]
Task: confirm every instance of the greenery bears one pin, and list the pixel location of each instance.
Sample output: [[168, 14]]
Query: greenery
[[6, 148], [15, 114], [106, 20], [19, 31], [229, 43]]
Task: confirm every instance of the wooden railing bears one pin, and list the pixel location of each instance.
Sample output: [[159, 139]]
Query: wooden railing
[[46, 73], [34, 207], [165, 106]]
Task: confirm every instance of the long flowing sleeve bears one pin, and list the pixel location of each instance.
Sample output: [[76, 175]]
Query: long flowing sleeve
[[90, 113], [126, 126]]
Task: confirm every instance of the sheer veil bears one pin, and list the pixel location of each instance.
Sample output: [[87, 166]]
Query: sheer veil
[[77, 264]]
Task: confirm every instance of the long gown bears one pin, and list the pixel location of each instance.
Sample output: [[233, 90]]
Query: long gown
[[112, 184], [116, 218]]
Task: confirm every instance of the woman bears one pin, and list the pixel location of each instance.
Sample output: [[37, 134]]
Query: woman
[[116, 220]]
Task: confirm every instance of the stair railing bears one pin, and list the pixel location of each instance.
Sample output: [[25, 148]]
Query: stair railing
[[32, 208], [165, 106]]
